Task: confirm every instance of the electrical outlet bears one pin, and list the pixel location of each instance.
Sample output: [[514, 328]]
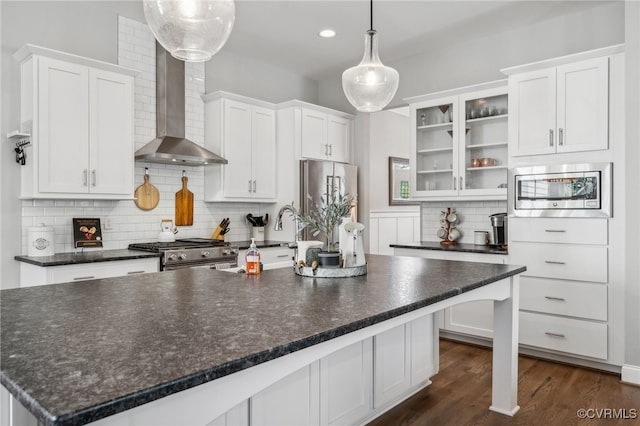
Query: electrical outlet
[[108, 225]]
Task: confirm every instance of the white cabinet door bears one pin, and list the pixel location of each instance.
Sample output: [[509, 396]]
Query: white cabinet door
[[238, 182], [292, 401], [583, 105], [111, 133], [237, 416], [62, 127], [314, 134], [263, 152], [424, 350], [532, 112], [346, 384], [338, 137], [557, 110], [392, 365]]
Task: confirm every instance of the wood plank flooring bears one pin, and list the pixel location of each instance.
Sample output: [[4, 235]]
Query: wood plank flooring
[[548, 394]]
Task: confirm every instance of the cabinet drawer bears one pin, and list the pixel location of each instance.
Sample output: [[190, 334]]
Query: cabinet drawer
[[564, 261], [570, 298], [564, 334], [90, 271], [275, 254], [564, 231]]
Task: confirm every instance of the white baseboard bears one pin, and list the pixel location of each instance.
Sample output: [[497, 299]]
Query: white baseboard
[[631, 374]]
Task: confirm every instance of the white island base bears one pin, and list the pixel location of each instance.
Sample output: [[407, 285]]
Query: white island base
[[350, 379]]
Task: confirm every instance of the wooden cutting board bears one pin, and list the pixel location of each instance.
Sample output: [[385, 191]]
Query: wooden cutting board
[[184, 205], [146, 195]]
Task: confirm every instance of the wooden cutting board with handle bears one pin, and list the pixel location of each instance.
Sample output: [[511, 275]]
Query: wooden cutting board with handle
[[184, 204], [146, 195]]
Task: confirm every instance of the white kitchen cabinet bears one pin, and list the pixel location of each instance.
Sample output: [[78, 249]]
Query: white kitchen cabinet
[[79, 113], [275, 255], [346, 384], [565, 289], [392, 365], [32, 275], [325, 135], [560, 109], [452, 133], [242, 130], [237, 416], [292, 401]]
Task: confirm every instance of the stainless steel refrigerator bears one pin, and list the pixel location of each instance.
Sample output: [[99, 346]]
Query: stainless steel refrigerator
[[319, 178]]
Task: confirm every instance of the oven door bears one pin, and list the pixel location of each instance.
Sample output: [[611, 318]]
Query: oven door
[[210, 264]]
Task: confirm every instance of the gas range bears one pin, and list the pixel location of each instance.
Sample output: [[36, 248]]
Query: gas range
[[192, 253]]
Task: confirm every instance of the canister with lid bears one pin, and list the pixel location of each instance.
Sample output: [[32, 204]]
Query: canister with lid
[[40, 240]]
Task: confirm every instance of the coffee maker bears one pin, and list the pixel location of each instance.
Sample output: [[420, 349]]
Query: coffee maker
[[499, 230]]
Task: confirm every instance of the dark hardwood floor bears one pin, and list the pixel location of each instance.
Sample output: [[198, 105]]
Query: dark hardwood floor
[[548, 394]]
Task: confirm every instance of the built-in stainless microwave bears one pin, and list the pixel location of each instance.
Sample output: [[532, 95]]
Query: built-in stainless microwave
[[561, 190]]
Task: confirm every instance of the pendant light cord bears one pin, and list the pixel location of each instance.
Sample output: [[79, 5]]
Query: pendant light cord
[[371, 15]]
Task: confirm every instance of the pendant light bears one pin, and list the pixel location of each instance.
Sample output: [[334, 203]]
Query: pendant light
[[191, 30], [370, 86]]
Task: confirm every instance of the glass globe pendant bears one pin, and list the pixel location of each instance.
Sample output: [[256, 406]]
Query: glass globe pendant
[[191, 30], [370, 86]]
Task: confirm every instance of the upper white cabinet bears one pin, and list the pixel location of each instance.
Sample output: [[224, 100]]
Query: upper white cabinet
[[560, 109], [319, 133], [459, 143], [79, 113], [243, 131]]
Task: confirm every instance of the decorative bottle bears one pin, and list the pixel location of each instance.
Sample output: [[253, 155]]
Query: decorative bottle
[[252, 259]]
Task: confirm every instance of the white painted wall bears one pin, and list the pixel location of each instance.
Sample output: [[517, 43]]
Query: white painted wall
[[632, 225]]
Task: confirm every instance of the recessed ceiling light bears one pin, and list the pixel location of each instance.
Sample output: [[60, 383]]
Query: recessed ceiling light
[[327, 33]]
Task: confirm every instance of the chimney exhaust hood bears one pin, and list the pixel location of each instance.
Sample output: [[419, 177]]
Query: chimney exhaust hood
[[170, 145]]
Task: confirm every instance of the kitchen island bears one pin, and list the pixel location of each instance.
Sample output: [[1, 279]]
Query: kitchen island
[[193, 343]]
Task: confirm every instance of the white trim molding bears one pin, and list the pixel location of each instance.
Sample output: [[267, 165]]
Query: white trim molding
[[630, 374]]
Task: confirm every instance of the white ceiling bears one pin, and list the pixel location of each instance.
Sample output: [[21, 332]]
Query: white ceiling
[[285, 33]]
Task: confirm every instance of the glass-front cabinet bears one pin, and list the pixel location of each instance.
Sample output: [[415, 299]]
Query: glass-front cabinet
[[459, 144]]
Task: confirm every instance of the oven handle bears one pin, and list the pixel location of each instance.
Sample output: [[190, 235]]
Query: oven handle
[[210, 265]]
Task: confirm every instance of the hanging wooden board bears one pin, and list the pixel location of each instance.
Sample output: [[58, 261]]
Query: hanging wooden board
[[184, 205], [146, 195]]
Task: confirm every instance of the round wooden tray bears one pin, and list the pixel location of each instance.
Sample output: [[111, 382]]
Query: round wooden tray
[[319, 272]]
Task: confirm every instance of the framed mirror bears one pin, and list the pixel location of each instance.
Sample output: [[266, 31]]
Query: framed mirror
[[399, 172]]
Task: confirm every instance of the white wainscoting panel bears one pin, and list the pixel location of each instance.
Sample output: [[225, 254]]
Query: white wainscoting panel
[[392, 226]]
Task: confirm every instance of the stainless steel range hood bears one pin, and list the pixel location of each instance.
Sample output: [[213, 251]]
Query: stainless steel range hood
[[170, 145]]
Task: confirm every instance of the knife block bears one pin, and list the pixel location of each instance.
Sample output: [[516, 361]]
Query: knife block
[[217, 234]]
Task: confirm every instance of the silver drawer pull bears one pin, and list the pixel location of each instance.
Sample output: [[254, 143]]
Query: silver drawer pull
[[283, 255], [554, 230], [88, 277], [555, 298], [135, 272], [553, 262], [550, 334]]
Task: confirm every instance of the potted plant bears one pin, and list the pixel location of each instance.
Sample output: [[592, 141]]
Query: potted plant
[[324, 218]]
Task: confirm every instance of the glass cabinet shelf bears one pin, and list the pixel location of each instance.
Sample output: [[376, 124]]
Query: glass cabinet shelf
[[432, 150], [487, 145], [488, 118], [473, 169], [430, 172], [436, 126]]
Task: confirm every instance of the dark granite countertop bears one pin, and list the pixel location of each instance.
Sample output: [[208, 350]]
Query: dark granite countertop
[[434, 245], [73, 353], [243, 245], [85, 257]]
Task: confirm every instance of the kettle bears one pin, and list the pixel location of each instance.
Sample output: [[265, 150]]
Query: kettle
[[167, 235]]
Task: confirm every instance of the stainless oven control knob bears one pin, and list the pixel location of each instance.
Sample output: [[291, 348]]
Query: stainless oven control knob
[[205, 254], [172, 256], [227, 252], [183, 256]]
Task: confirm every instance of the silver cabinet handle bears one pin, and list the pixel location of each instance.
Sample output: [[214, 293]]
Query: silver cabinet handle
[[550, 137], [93, 177], [283, 255], [254, 186], [548, 333], [135, 272], [249, 185], [454, 183], [88, 277], [461, 185], [553, 262], [86, 177], [560, 134], [326, 149], [554, 230], [561, 299], [330, 150]]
